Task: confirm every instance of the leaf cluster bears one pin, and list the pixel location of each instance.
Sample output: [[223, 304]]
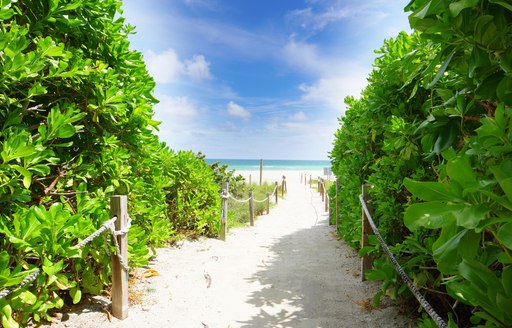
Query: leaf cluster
[[431, 133], [76, 126]]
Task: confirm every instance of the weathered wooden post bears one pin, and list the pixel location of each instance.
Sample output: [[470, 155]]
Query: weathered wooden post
[[119, 208], [224, 212], [268, 202], [261, 170], [366, 229], [326, 202], [337, 202], [250, 178], [284, 188], [251, 208], [322, 189], [310, 179], [276, 190]]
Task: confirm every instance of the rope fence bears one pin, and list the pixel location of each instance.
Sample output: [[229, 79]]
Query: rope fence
[[369, 227], [363, 198], [225, 196], [118, 230]]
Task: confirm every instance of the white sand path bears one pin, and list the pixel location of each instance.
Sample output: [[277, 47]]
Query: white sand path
[[289, 270]]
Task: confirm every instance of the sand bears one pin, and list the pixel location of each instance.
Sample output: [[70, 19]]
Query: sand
[[289, 270]]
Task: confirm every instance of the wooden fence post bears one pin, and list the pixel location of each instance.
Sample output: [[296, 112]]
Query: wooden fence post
[[337, 202], [261, 170], [322, 188], [310, 181], [251, 208], [224, 213], [119, 208], [276, 190], [283, 187], [268, 202], [250, 178], [366, 229], [326, 202]]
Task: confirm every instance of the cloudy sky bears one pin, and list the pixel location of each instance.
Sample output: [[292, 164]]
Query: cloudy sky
[[258, 78]]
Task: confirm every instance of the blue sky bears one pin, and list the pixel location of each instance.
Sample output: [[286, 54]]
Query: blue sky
[[258, 78]]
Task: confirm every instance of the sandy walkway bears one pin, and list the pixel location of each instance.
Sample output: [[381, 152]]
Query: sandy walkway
[[287, 271]]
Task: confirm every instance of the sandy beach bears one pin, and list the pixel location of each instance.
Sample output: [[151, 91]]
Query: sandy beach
[[277, 175], [288, 271]]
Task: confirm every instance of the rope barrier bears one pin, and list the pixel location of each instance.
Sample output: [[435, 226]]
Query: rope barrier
[[227, 195], [95, 234], [28, 279], [238, 200], [109, 224], [431, 312]]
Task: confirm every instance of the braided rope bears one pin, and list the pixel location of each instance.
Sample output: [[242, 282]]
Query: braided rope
[[274, 193], [239, 200], [95, 234], [106, 225], [116, 233], [431, 312], [28, 279]]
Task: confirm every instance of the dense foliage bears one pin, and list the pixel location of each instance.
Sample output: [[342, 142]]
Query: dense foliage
[[432, 134], [76, 127]]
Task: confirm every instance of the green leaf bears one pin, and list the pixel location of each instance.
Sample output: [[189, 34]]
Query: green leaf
[[471, 216], [442, 70], [460, 170], [66, 131], [506, 280], [76, 294], [7, 319], [505, 235], [433, 191], [6, 14], [431, 215], [28, 298], [504, 90], [458, 6], [505, 4], [462, 245], [503, 174], [479, 275], [27, 175]]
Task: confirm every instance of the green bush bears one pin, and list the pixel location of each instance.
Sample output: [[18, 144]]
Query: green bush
[[76, 127], [431, 133]]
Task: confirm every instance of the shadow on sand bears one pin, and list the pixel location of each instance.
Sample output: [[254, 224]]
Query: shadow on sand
[[313, 281]]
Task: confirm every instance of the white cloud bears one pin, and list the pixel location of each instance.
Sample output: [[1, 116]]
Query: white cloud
[[330, 92], [198, 68], [166, 67], [299, 116], [172, 109], [309, 19], [304, 57], [238, 111]]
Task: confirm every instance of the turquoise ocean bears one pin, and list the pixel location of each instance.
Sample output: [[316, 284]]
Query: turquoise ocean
[[271, 164]]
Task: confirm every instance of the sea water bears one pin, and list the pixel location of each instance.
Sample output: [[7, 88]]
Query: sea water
[[272, 164]]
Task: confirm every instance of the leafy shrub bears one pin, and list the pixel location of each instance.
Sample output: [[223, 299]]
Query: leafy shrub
[[75, 128], [436, 115]]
